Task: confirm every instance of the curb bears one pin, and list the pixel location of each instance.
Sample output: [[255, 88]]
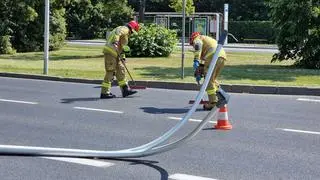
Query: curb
[[251, 89]]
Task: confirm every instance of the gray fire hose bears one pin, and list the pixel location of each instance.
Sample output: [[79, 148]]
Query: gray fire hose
[[154, 147]]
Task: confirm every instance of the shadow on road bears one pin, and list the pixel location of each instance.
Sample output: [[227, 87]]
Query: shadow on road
[[163, 173], [71, 100], [154, 110]]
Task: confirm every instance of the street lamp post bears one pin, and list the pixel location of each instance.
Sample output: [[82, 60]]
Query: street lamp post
[[183, 36], [46, 37], [142, 10], [226, 20]]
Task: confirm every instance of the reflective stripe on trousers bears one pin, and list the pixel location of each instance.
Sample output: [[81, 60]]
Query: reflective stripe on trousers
[[122, 83]]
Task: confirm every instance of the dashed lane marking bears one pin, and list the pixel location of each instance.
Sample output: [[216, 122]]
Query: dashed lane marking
[[308, 100], [82, 161], [193, 120], [101, 110], [188, 177], [301, 131], [15, 101]]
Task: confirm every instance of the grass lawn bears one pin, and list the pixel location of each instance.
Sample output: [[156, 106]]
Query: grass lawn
[[87, 62]]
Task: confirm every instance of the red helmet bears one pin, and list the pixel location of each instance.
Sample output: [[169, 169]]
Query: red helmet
[[134, 25], [193, 36]]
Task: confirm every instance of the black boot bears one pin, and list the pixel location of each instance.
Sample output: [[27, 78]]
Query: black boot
[[213, 99], [209, 106], [126, 91], [107, 96]]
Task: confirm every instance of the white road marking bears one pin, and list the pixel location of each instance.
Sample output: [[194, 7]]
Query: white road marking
[[188, 177], [308, 100], [193, 120], [101, 110], [15, 101], [301, 131], [82, 161]]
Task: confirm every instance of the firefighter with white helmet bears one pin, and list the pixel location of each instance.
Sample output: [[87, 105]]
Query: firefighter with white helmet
[[113, 51], [204, 50]]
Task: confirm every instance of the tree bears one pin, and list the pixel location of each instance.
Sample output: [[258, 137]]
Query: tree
[[79, 15], [177, 5], [88, 19], [298, 26], [152, 5], [24, 24], [118, 12], [240, 10], [15, 16]]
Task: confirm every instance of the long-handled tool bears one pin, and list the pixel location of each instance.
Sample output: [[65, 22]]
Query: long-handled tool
[[134, 86]]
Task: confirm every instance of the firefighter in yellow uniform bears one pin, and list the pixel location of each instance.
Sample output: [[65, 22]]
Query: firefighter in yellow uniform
[[204, 50], [113, 55]]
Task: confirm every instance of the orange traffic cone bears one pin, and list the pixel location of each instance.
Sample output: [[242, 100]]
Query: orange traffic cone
[[223, 122]]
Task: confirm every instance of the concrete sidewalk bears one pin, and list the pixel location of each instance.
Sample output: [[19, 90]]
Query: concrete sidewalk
[[252, 89]]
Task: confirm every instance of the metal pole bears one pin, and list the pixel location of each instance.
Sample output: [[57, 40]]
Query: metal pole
[[226, 20], [46, 37], [183, 36], [218, 27], [142, 10]]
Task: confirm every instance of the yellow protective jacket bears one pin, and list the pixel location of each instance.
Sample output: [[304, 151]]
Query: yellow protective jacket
[[205, 47], [116, 40]]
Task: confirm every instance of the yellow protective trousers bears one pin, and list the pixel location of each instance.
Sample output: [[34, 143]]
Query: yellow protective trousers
[[213, 85], [112, 65]]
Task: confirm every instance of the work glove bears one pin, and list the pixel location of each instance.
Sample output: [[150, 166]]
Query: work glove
[[198, 79], [196, 64], [123, 57], [116, 44], [199, 73]]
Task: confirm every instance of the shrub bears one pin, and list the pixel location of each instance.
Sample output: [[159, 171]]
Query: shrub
[[153, 41], [58, 27], [6, 46]]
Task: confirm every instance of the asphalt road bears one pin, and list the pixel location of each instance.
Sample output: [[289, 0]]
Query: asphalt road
[[273, 136]]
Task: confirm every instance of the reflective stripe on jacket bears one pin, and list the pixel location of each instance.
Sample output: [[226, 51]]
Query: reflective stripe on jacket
[[118, 38], [206, 46]]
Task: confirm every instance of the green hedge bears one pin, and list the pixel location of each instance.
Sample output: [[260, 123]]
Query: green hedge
[[252, 31], [153, 41]]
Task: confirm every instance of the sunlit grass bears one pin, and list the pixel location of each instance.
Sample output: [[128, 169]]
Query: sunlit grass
[[87, 62]]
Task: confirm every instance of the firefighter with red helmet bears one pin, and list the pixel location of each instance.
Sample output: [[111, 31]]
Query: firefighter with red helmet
[[204, 50], [113, 51]]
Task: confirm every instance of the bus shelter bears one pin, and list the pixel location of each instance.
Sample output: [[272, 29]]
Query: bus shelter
[[207, 23]]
